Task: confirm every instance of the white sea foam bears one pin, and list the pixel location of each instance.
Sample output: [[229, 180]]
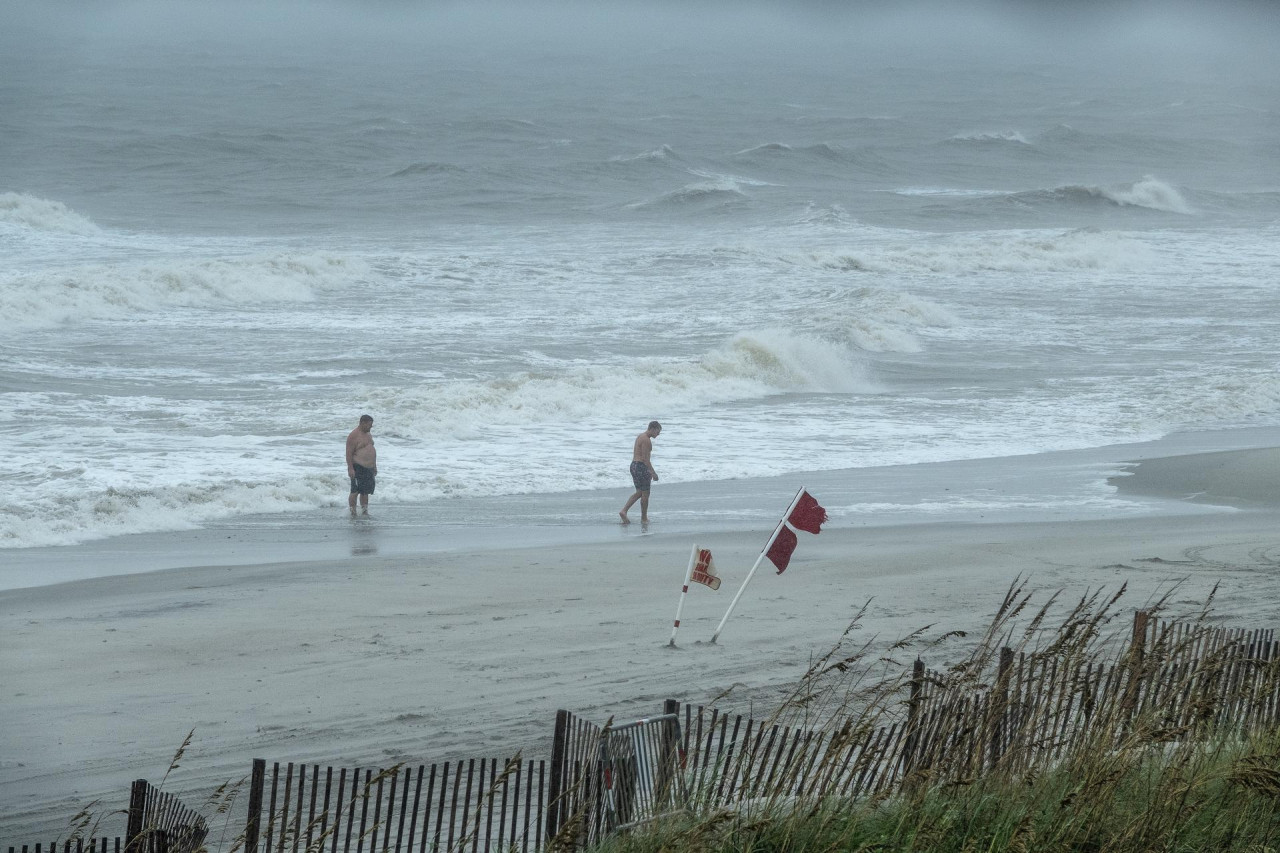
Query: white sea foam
[[83, 515], [948, 191], [663, 152], [879, 320], [1217, 397], [997, 137], [736, 180], [1150, 193], [998, 251], [104, 291], [42, 215]]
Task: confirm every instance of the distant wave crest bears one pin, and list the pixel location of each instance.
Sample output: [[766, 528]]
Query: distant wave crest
[[43, 215], [997, 138], [781, 150], [1147, 193], [767, 148], [662, 153], [428, 168], [716, 192], [49, 298], [1013, 252]]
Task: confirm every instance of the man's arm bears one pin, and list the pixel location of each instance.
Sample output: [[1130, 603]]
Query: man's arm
[[646, 451], [351, 449]]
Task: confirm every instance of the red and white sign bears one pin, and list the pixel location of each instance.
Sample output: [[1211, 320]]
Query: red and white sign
[[704, 571]]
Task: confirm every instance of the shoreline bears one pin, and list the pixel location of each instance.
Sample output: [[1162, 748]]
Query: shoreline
[[1082, 484], [461, 652]]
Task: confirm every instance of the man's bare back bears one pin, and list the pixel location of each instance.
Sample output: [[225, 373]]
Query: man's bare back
[[642, 450]]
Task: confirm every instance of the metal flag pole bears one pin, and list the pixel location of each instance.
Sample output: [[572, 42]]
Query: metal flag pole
[[693, 558], [759, 560]]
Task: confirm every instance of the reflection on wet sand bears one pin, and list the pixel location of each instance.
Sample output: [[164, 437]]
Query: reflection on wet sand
[[364, 541]]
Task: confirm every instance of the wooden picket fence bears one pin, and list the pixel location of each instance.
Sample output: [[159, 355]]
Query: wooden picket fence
[[78, 845], [1173, 682], [485, 804], [599, 779], [158, 822]]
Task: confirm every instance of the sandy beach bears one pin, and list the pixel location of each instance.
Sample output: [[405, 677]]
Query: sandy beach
[[383, 644]]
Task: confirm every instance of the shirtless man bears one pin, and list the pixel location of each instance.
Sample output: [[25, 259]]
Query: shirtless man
[[642, 472], [362, 463]]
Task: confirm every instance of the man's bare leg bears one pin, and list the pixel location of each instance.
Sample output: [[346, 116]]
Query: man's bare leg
[[364, 504], [631, 502], [351, 502], [644, 507]]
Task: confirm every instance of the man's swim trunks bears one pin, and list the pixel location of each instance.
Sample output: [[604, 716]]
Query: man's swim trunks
[[362, 482], [640, 476]]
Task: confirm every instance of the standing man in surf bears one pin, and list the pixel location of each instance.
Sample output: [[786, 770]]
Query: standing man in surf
[[362, 463], [642, 472]]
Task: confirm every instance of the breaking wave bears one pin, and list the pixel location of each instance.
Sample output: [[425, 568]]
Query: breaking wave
[[721, 191], [878, 320], [42, 215], [95, 292], [1148, 193], [103, 513], [751, 365]]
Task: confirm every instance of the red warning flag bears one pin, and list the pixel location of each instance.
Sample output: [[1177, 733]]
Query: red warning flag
[[808, 515], [783, 545]]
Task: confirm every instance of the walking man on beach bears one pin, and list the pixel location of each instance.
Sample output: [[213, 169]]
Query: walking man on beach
[[642, 472], [362, 464]]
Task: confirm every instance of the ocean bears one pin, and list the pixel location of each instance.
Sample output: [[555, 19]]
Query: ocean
[[802, 238]]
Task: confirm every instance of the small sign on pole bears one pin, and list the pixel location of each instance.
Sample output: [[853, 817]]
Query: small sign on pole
[[701, 570]]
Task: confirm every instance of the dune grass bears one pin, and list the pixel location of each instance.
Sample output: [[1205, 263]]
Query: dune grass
[[1170, 762], [1221, 796]]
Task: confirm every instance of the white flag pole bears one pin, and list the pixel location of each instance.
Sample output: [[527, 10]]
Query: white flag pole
[[693, 558], [759, 559]]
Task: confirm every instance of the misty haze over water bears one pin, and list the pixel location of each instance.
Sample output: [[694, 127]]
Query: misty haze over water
[[398, 115]]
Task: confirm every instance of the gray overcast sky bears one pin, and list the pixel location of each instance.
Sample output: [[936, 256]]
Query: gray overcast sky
[[1183, 39]]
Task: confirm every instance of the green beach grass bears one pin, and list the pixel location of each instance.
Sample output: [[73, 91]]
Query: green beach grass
[[1221, 796], [1155, 776]]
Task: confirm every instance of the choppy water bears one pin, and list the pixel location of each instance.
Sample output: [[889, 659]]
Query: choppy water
[[222, 243]]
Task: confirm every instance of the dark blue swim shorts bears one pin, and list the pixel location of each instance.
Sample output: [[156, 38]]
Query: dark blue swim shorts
[[640, 476], [362, 482]]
